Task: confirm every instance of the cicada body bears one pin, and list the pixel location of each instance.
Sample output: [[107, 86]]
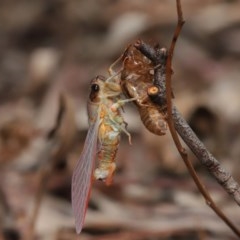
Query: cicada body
[[105, 126], [136, 79], [110, 124]]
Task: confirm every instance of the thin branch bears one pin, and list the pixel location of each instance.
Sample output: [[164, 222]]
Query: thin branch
[[197, 147], [223, 177], [174, 134], [214, 167], [169, 60], [162, 80], [169, 80]]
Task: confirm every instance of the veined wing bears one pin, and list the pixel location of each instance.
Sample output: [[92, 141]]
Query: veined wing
[[82, 176]]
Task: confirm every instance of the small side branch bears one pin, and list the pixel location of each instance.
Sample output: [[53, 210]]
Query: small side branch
[[223, 177]]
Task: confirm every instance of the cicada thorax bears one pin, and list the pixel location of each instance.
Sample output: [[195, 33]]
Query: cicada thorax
[[136, 79]]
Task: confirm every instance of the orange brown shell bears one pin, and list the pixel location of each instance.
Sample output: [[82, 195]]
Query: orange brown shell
[[136, 79]]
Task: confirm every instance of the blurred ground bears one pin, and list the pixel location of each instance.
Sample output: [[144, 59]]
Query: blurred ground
[[54, 48]]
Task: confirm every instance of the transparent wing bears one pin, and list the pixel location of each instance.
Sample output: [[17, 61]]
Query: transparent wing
[[82, 176]]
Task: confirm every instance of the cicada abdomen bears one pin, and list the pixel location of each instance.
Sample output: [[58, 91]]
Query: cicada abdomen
[[109, 139]]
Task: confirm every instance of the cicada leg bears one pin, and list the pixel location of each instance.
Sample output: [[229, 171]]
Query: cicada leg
[[121, 102], [113, 85], [110, 69], [114, 108]]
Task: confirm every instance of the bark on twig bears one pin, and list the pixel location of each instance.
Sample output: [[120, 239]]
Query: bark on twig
[[223, 177]]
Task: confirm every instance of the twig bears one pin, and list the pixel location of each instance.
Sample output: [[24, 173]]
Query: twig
[[222, 176], [172, 129], [162, 81], [169, 84]]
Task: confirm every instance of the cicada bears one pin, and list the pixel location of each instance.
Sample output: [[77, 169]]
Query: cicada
[[105, 125], [136, 80]]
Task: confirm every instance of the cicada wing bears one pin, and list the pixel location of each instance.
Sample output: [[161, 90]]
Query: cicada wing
[[82, 176]]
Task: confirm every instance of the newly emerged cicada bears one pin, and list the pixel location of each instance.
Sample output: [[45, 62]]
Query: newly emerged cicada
[[136, 80], [105, 125]]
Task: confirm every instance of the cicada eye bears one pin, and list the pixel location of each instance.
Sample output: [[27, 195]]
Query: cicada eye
[[94, 94], [95, 87]]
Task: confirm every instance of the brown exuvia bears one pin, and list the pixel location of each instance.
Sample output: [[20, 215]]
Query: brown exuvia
[[136, 79]]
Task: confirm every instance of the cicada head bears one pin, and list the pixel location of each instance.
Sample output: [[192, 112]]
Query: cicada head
[[96, 89]]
